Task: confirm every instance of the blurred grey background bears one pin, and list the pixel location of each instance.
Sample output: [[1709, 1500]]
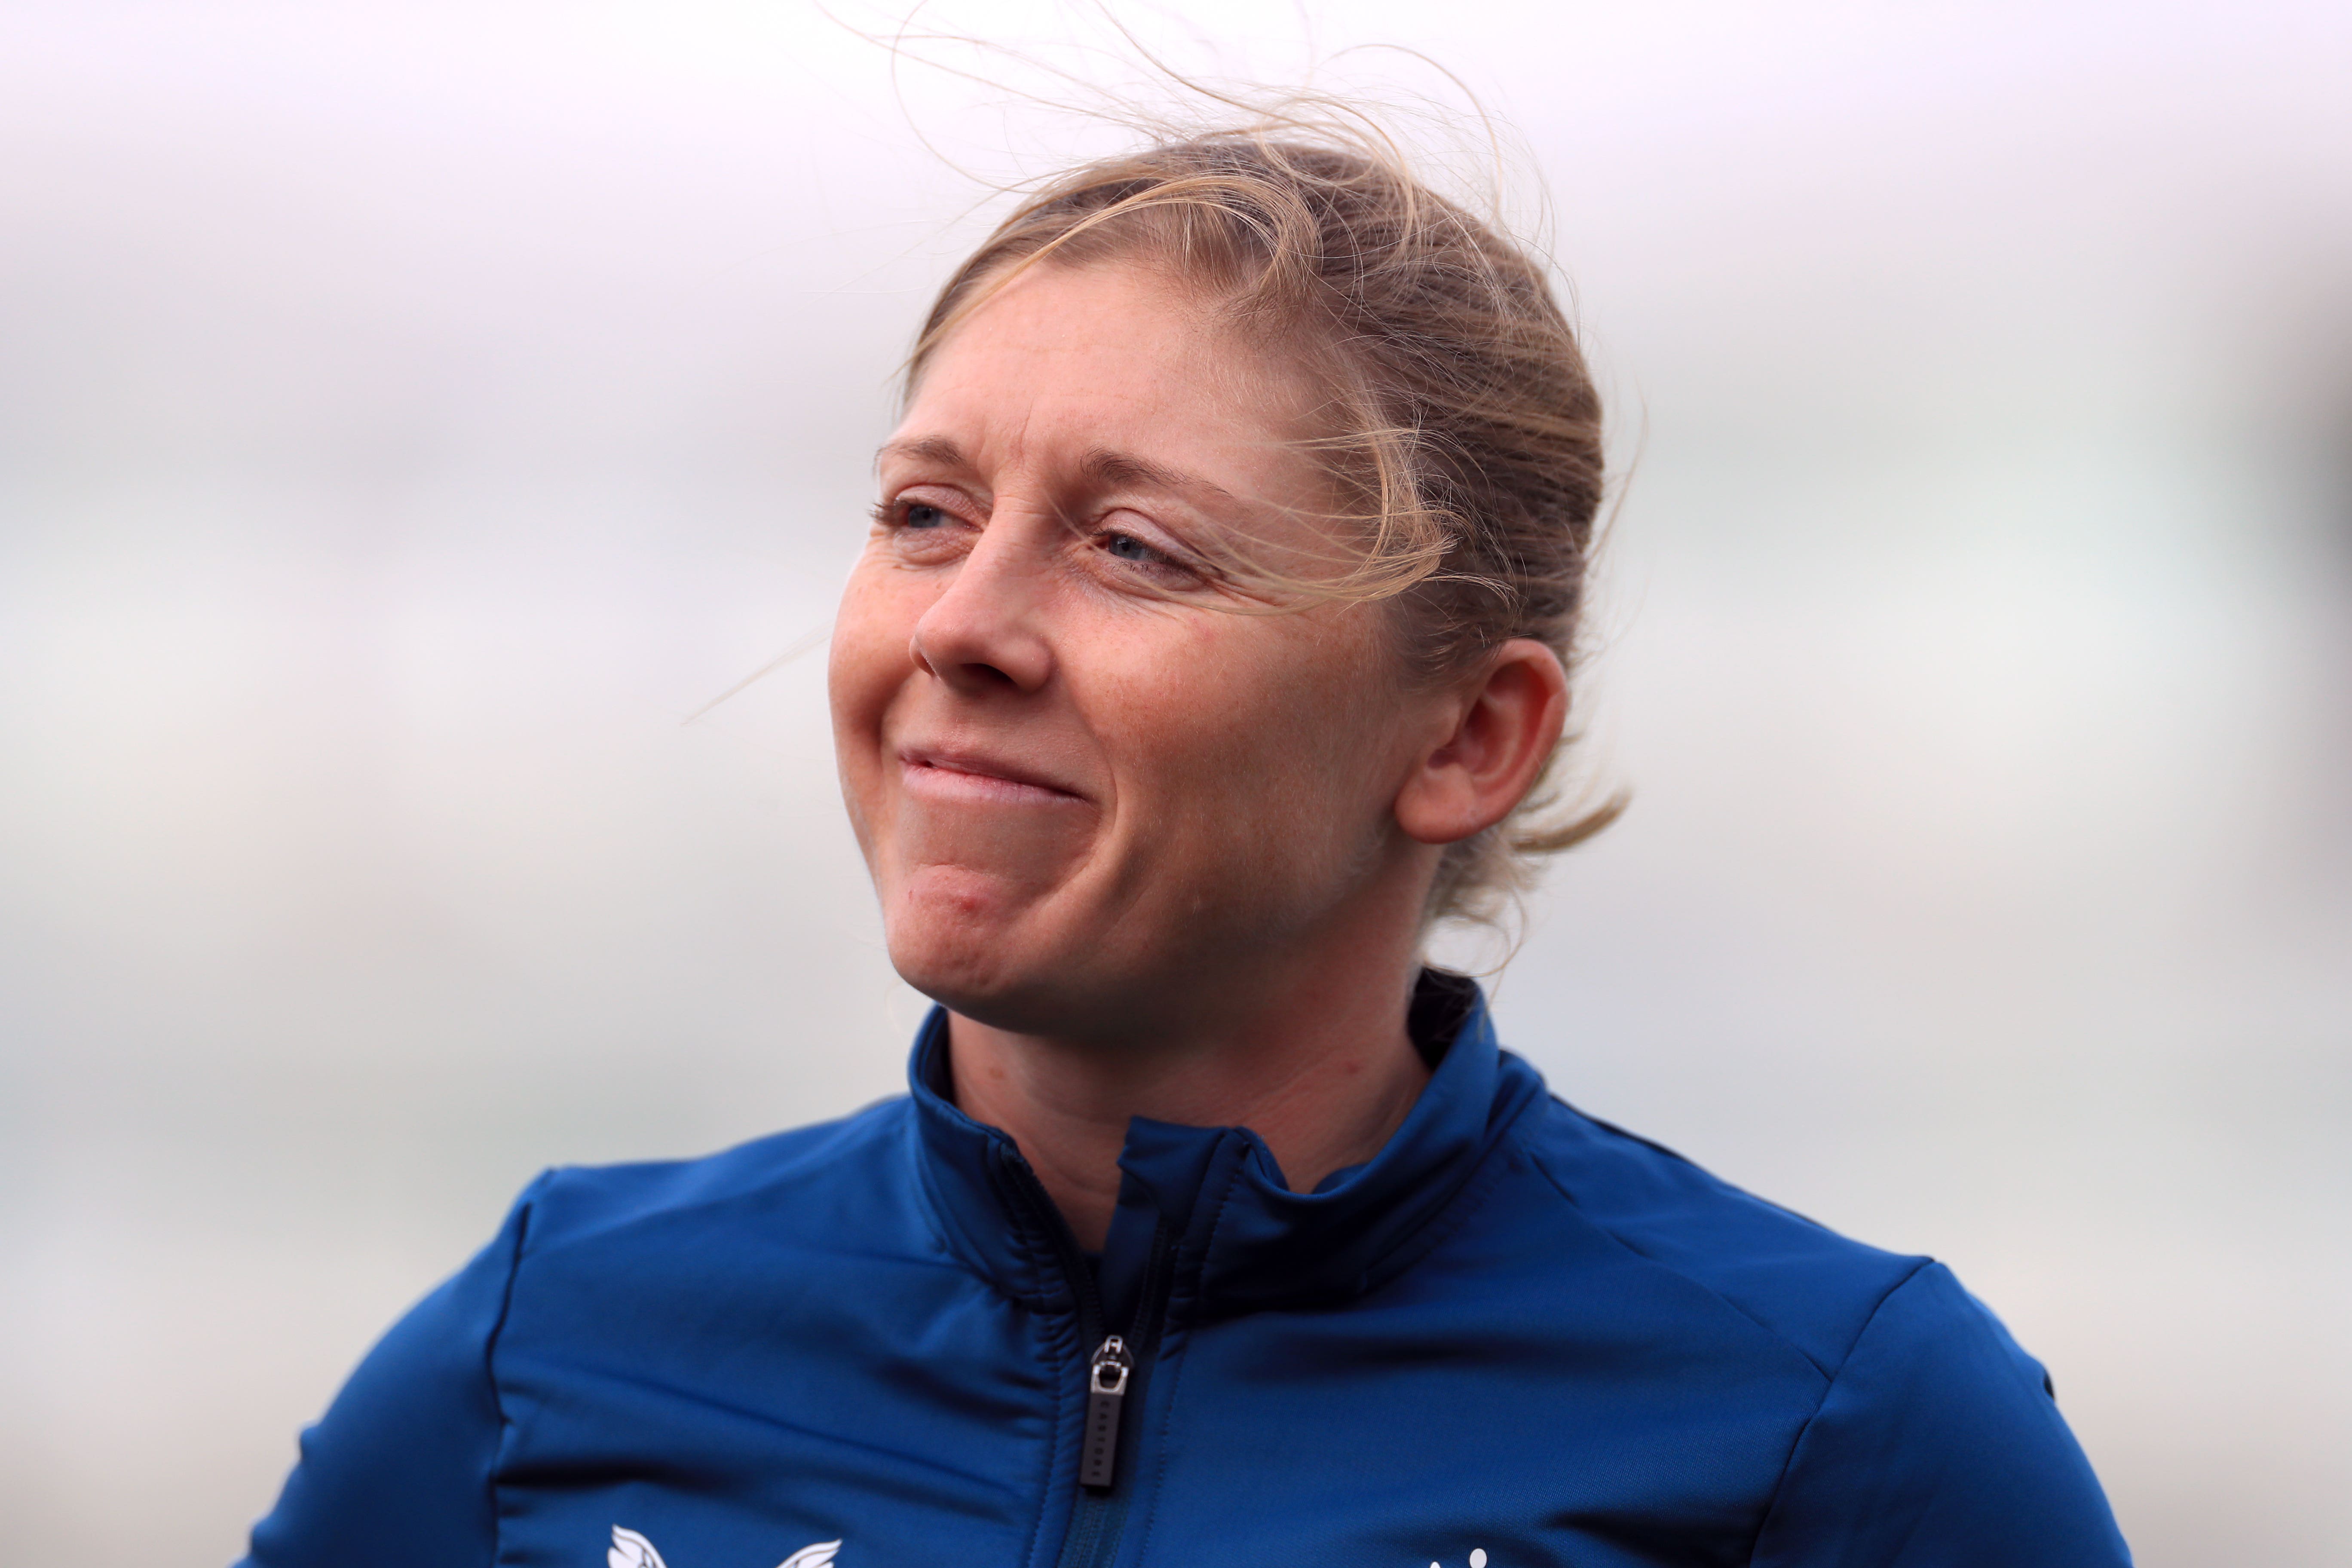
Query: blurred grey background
[[411, 412]]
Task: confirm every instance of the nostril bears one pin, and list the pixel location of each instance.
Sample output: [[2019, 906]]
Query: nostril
[[960, 663], [998, 653], [979, 673]]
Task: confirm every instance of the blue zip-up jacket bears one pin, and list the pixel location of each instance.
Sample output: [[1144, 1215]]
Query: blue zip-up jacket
[[1517, 1338]]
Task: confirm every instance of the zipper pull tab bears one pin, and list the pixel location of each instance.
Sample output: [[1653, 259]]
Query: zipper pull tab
[[1105, 1391]]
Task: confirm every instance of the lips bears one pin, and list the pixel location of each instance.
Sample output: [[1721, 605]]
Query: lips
[[956, 772]]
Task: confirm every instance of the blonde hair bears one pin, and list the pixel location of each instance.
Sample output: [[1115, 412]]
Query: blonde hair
[[1468, 432]]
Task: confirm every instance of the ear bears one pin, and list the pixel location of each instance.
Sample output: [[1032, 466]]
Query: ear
[[1506, 721]]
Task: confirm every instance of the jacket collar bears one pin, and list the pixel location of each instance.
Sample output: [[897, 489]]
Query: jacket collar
[[1244, 1240]]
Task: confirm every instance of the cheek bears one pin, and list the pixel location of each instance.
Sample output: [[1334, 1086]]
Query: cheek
[[866, 665], [1264, 746], [872, 633]]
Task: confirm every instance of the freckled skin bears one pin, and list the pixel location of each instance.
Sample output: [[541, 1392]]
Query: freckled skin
[[1160, 846], [1235, 784]]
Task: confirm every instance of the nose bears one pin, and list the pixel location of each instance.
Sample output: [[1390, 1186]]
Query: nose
[[986, 633]]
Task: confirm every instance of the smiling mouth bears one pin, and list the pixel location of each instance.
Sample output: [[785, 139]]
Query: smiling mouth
[[950, 776]]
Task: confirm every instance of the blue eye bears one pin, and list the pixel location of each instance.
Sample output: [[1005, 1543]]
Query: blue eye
[[917, 515], [1127, 547]]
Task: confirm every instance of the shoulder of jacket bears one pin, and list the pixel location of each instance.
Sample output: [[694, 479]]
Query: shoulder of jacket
[[1796, 1278], [578, 1203]]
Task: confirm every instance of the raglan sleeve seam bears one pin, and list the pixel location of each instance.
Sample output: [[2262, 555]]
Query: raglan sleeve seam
[[524, 1209], [1797, 1444], [1827, 1374]]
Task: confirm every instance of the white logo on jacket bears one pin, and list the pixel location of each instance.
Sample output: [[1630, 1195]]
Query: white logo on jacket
[[631, 1550]]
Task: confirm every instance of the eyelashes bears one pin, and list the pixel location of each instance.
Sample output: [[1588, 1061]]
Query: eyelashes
[[932, 529], [1127, 547], [895, 515]]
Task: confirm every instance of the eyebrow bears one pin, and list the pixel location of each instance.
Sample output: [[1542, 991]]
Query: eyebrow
[[929, 448], [1109, 468], [1103, 465]]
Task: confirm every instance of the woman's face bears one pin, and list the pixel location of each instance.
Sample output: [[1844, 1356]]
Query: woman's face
[[1088, 790]]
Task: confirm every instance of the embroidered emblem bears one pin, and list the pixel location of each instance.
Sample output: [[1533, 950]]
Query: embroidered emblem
[[631, 1550]]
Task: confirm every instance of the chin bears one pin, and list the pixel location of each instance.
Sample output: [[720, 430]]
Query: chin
[[963, 945], [987, 989], [1008, 975], [958, 969]]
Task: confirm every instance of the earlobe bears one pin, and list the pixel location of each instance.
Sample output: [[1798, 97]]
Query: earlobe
[[1508, 721]]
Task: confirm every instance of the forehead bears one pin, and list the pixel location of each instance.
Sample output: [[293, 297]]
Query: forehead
[[1064, 362]]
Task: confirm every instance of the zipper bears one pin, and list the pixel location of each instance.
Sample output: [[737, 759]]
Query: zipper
[[1106, 1377], [1116, 1372], [1122, 1362]]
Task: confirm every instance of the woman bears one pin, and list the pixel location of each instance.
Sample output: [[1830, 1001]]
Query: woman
[[1211, 643]]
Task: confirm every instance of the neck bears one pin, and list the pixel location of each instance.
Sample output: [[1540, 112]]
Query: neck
[[1322, 1072]]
